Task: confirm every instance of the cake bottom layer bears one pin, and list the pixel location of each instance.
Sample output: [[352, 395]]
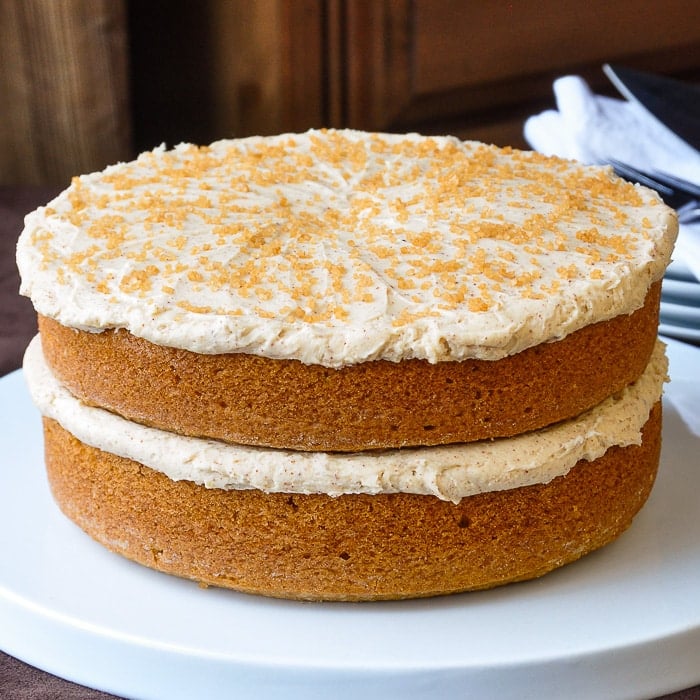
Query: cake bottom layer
[[353, 547]]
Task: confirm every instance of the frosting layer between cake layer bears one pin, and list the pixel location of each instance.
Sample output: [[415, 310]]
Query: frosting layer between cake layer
[[449, 472]]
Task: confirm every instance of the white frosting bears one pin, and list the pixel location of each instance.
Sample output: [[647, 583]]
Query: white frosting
[[449, 472], [339, 247]]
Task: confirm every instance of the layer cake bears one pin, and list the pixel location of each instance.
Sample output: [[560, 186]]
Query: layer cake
[[349, 366]]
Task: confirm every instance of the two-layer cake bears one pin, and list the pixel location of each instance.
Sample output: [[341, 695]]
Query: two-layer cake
[[349, 366]]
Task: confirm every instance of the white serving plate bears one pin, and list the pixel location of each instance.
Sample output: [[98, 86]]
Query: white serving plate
[[623, 622], [680, 314], [678, 269], [681, 291], [678, 331]]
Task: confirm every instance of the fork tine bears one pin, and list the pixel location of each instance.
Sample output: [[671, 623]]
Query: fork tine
[[672, 182], [689, 213], [677, 182], [630, 173], [675, 197]]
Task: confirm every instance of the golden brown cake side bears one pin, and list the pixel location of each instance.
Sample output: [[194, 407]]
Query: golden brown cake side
[[257, 401], [353, 547]]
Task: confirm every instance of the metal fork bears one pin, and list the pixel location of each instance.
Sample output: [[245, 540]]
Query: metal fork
[[689, 213], [680, 194]]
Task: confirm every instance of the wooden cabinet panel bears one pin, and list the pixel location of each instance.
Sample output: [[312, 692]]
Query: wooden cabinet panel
[[64, 104], [222, 68], [372, 83], [478, 69], [475, 69], [460, 43]]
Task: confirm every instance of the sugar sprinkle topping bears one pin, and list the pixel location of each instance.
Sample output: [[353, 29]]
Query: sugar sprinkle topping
[[340, 246]]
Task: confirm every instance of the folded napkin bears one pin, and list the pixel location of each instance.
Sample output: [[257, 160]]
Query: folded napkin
[[594, 129]]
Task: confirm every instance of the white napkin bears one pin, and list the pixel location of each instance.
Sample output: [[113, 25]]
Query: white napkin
[[593, 129]]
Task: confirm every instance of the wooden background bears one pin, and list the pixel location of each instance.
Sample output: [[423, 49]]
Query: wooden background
[[87, 82]]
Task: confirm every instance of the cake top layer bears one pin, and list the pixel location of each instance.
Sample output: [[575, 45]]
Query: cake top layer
[[338, 247]]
